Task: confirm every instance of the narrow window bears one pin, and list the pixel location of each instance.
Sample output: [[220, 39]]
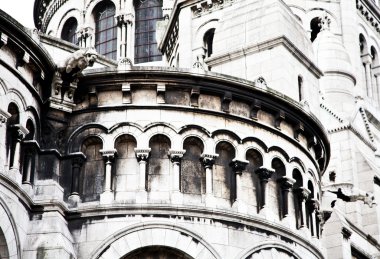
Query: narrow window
[[223, 178], [300, 88], [105, 30], [69, 31], [208, 42], [148, 12], [315, 26]]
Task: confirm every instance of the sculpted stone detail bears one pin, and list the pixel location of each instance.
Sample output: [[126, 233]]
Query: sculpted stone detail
[[209, 6], [260, 82], [348, 193], [78, 61]]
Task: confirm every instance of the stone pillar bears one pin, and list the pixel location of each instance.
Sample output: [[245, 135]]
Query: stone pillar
[[142, 157], [238, 167], [286, 184], [376, 73], [367, 60], [312, 205], [85, 36], [124, 34], [302, 195], [28, 163], [175, 158], [107, 195], [208, 162], [18, 134], [264, 175], [76, 168]]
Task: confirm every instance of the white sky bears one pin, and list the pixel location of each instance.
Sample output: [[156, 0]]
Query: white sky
[[21, 10]]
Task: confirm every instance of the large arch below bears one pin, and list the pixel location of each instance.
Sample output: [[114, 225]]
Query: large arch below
[[8, 234], [154, 234]]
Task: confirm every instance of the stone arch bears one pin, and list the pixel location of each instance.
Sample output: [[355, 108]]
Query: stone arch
[[15, 96], [31, 113], [71, 13], [195, 131], [77, 137], [123, 128], [227, 136], [9, 229], [88, 18], [266, 245], [160, 128], [154, 233], [295, 162], [317, 12]]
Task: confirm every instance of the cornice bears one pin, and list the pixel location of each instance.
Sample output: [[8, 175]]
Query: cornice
[[370, 12]]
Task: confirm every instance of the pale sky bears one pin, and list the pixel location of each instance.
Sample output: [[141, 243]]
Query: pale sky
[[21, 10]]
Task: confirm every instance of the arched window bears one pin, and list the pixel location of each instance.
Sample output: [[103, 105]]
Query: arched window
[[69, 31], [93, 170], [375, 75], [297, 176], [126, 164], [157, 252], [224, 178], [275, 186], [29, 156], [208, 41], [105, 29], [30, 128], [192, 173], [315, 27], [309, 208], [159, 164], [251, 182], [147, 13]]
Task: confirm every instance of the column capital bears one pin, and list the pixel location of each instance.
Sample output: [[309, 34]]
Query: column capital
[[239, 165], [376, 70], [142, 154], [312, 204], [209, 159], [367, 58], [264, 173], [286, 183], [176, 155], [108, 154], [19, 131], [124, 18], [302, 193]]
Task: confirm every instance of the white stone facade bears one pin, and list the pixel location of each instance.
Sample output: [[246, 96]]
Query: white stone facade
[[255, 133]]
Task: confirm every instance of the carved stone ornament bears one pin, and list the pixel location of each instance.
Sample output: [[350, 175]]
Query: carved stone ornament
[[78, 61], [176, 155], [348, 193], [264, 173], [260, 82], [239, 165], [209, 159], [142, 154]]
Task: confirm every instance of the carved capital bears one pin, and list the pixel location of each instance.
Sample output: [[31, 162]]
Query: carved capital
[[286, 183], [176, 155], [4, 116], [126, 18], [109, 154], [264, 173], [312, 204], [239, 165], [209, 159], [19, 131], [142, 154], [302, 193]]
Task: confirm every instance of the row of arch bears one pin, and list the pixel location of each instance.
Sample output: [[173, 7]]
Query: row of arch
[[109, 40]]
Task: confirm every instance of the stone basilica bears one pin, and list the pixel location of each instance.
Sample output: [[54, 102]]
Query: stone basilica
[[193, 129]]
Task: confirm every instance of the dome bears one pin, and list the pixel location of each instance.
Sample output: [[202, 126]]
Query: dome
[[331, 56]]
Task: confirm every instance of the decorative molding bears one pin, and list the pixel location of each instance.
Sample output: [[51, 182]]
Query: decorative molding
[[324, 107], [209, 159], [370, 12], [208, 6], [142, 154]]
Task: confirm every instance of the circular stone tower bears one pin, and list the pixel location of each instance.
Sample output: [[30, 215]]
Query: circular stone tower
[[177, 162]]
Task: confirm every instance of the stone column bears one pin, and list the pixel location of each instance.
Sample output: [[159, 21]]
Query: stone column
[[76, 168], [312, 205], [208, 162], [3, 135], [124, 34], [19, 134], [238, 167], [175, 158], [376, 73], [264, 175], [142, 157], [28, 162], [286, 184], [367, 60], [302, 195], [107, 195]]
